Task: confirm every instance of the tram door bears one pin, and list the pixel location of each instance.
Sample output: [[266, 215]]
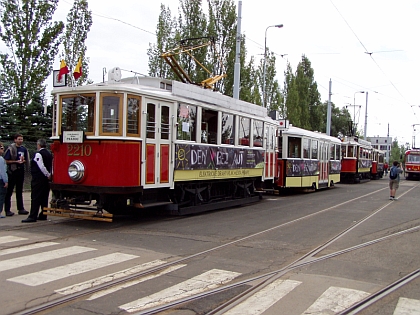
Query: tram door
[[323, 163], [157, 145]]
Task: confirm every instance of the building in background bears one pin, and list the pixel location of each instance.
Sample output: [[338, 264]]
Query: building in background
[[383, 144]]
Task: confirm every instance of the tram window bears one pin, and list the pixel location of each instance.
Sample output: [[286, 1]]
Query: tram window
[[244, 130], [306, 148], [77, 113], [133, 115], [294, 145], [314, 149], [151, 121], [258, 133], [280, 145], [228, 128], [332, 152], [209, 126], [186, 122], [350, 151], [111, 108], [272, 138], [337, 151], [164, 122]]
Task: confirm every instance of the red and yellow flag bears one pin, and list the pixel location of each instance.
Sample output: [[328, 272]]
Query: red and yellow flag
[[78, 70], [63, 69]]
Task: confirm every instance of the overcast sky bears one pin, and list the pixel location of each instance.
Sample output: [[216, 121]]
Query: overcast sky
[[361, 45]]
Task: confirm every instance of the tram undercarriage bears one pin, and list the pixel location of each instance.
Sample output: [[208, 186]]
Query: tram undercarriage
[[187, 198]]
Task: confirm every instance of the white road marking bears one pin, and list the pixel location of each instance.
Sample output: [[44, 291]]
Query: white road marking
[[10, 239], [49, 275], [264, 299], [25, 248], [204, 282], [42, 257], [407, 307], [335, 300], [107, 278], [134, 282]]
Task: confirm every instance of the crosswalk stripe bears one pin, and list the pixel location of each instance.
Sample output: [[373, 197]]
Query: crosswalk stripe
[[335, 300], [259, 302], [25, 248], [134, 282], [42, 257], [407, 307], [10, 239], [49, 275], [107, 278], [204, 282]]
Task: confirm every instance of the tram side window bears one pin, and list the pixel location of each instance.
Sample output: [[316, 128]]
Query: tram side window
[[151, 121], [77, 113], [314, 149], [350, 151], [186, 129], [258, 133], [111, 113], [133, 115], [306, 148], [244, 130], [209, 126], [332, 151], [337, 151], [294, 147], [164, 122], [228, 128]]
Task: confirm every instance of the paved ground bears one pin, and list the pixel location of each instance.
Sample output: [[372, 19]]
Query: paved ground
[[16, 219]]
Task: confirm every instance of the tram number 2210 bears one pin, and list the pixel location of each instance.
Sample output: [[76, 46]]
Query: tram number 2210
[[79, 150]]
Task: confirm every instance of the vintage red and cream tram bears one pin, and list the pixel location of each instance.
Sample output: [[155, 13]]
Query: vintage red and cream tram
[[356, 160], [130, 143], [377, 169], [307, 159], [411, 164]]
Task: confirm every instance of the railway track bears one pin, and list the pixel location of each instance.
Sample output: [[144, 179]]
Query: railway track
[[253, 284]]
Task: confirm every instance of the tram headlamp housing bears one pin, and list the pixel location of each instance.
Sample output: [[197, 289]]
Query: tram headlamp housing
[[76, 171]]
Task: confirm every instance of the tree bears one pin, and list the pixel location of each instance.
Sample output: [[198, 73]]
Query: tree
[[79, 22], [397, 152], [165, 40], [33, 40]]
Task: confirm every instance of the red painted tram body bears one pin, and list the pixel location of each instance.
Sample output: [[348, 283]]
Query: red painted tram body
[[356, 161], [411, 164], [131, 143]]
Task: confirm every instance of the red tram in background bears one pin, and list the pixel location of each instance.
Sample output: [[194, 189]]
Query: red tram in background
[[411, 164], [378, 160], [356, 160]]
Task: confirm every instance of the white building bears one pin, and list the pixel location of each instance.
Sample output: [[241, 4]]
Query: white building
[[383, 144]]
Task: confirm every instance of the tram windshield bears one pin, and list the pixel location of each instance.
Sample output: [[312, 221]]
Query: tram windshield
[[77, 113], [411, 158]]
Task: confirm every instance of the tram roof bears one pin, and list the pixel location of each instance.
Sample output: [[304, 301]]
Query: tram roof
[[189, 93], [296, 131]]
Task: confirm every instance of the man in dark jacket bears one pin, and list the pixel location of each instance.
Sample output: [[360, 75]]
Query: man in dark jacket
[[17, 158], [41, 166]]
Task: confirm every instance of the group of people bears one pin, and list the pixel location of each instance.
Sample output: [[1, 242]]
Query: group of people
[[13, 162]]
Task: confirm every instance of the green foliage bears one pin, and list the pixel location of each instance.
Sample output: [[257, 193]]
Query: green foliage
[[79, 22], [33, 40]]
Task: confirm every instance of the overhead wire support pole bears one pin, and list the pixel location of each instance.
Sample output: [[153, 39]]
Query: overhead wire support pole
[[265, 62]]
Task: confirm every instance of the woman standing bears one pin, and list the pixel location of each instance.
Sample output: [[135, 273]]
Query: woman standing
[[4, 181]]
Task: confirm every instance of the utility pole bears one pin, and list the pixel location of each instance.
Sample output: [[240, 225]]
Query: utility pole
[[329, 111], [237, 73]]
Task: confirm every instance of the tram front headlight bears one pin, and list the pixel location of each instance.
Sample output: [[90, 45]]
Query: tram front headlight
[[76, 170]]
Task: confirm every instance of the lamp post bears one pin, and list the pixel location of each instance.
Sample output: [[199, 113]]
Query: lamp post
[[354, 112], [265, 57]]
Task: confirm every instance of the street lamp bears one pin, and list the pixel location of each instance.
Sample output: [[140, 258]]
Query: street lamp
[[354, 112], [265, 57]]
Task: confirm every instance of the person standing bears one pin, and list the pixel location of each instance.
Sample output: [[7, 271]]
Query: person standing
[[394, 179], [3, 179], [386, 168], [41, 166], [16, 157]]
